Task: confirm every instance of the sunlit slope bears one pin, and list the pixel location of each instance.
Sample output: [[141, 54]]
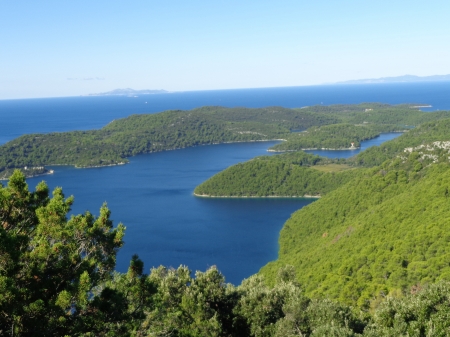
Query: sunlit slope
[[146, 133], [291, 174], [169, 130], [382, 232], [333, 137], [422, 134]]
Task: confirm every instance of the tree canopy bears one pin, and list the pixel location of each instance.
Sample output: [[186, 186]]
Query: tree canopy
[[168, 130], [57, 278]]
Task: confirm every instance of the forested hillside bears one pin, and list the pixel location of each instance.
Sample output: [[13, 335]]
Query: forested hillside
[[154, 132], [138, 134], [57, 279], [333, 137], [291, 174], [422, 134], [381, 233]]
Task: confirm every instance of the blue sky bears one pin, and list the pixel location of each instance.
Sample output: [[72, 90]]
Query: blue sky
[[68, 48]]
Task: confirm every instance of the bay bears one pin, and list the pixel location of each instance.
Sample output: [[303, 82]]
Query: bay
[[384, 137], [167, 225], [152, 195]]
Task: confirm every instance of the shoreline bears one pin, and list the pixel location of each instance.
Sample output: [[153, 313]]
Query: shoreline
[[96, 166], [317, 148], [33, 176], [340, 149], [150, 152], [306, 196]]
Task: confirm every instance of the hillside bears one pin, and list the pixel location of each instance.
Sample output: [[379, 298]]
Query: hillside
[[146, 133], [292, 174], [422, 134], [381, 233], [333, 137]]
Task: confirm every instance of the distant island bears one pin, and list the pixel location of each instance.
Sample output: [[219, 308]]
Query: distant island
[[129, 92], [400, 79]]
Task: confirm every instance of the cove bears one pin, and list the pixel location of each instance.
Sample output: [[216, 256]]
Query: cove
[[166, 224], [384, 137]]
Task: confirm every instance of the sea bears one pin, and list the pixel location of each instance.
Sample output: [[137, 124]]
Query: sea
[[153, 194]]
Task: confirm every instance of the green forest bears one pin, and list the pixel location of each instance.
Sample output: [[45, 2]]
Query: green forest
[[290, 174], [294, 174], [168, 130], [57, 274], [370, 257], [333, 137]]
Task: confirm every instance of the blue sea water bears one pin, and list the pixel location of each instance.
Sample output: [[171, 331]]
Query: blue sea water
[[91, 112], [152, 195]]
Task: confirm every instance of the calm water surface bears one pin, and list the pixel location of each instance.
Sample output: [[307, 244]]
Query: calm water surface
[[152, 196], [167, 225], [83, 113], [384, 137]]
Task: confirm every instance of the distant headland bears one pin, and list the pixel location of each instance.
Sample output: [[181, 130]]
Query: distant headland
[[400, 79], [130, 92]]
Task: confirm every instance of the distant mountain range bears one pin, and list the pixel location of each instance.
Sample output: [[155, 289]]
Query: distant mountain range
[[129, 92], [398, 79]]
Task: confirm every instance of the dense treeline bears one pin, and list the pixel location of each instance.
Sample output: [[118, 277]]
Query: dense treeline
[[290, 174], [277, 176], [57, 278], [422, 134], [381, 233], [336, 137], [137, 134], [154, 132]]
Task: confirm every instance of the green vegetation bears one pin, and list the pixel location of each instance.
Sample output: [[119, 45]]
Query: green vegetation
[[334, 137], [369, 258], [332, 167], [57, 278], [381, 233], [289, 174], [154, 132], [168, 130], [425, 133]]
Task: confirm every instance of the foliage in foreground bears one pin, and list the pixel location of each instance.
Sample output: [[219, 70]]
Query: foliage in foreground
[[57, 278]]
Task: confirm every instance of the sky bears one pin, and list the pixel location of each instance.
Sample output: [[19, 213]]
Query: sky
[[71, 48]]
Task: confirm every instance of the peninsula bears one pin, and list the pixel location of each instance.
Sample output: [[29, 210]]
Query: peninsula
[[176, 129]]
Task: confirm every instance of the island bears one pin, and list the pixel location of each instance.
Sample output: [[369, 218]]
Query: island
[[400, 79]]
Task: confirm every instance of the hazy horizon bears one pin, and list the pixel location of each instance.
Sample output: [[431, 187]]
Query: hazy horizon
[[54, 49]]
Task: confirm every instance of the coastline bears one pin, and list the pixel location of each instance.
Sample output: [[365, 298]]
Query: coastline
[[306, 196], [317, 148], [150, 152], [96, 166], [33, 175]]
